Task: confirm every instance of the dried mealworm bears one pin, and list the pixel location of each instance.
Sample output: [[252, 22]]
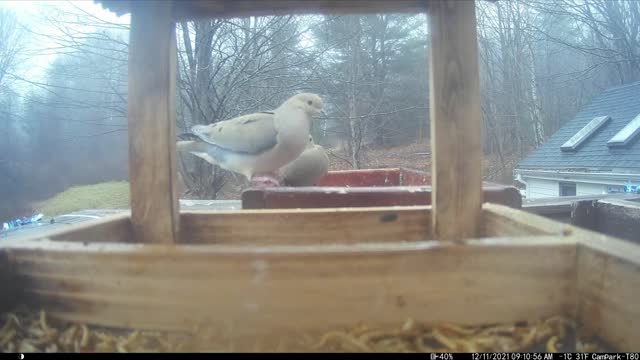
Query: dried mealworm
[[10, 348], [528, 339], [84, 340], [409, 325], [9, 323], [346, 340], [450, 344], [499, 330], [457, 330], [15, 319], [67, 337], [105, 347], [8, 336], [36, 332], [26, 347], [420, 346], [359, 329], [551, 344], [121, 348], [43, 321], [467, 345], [376, 335], [131, 338], [47, 337]]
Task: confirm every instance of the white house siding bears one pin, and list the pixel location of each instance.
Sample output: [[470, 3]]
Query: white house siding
[[539, 188], [546, 188], [590, 189]]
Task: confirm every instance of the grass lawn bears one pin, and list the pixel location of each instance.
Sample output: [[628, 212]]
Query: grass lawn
[[109, 195]]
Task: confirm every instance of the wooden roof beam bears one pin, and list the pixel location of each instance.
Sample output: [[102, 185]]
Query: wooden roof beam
[[193, 9]]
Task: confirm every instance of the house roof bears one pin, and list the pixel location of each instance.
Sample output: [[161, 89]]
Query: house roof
[[622, 104]]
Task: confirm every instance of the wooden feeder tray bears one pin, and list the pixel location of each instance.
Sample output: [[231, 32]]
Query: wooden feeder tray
[[365, 188], [268, 273]]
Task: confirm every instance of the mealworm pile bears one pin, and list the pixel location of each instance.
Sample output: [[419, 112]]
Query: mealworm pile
[[28, 331], [550, 335]]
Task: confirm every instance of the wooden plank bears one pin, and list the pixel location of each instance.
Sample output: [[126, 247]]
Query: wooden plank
[[152, 112], [335, 197], [618, 218], [266, 290], [361, 178], [112, 228], [194, 9], [308, 226], [455, 119], [498, 220], [608, 291], [414, 177], [10, 294]]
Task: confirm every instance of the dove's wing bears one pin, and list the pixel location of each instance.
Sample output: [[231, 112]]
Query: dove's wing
[[248, 134]]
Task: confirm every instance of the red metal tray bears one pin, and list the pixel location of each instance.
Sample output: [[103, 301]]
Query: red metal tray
[[366, 188]]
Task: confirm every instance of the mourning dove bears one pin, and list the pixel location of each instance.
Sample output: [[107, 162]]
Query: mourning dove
[[257, 145], [308, 168]]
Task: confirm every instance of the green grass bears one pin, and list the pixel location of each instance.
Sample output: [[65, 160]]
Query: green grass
[[109, 195]]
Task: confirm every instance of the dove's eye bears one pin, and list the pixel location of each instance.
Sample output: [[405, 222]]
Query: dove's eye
[[310, 102]]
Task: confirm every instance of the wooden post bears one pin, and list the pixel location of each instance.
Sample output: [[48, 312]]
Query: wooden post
[[455, 119], [152, 118]]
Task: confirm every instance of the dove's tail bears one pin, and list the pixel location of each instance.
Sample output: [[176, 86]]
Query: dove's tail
[[189, 146], [196, 148]]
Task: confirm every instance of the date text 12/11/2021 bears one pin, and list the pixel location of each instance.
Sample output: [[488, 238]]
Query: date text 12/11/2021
[[539, 356]]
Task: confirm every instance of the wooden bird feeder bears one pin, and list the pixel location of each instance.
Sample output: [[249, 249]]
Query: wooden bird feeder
[[267, 272]]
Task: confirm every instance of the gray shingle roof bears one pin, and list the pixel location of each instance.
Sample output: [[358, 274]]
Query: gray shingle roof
[[622, 104]]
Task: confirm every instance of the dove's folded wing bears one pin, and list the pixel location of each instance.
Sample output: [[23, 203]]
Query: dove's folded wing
[[248, 134]]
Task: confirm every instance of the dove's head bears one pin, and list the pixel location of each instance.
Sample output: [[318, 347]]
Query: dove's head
[[309, 103]]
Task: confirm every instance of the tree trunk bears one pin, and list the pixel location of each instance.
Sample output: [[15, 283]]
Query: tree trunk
[[354, 120]]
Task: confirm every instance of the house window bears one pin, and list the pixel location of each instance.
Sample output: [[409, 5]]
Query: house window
[[615, 189], [567, 189], [624, 136], [584, 133]]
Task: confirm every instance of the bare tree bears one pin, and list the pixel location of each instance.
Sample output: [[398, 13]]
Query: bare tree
[[11, 165]]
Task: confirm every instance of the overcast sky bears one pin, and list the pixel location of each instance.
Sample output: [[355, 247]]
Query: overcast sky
[[29, 14]]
